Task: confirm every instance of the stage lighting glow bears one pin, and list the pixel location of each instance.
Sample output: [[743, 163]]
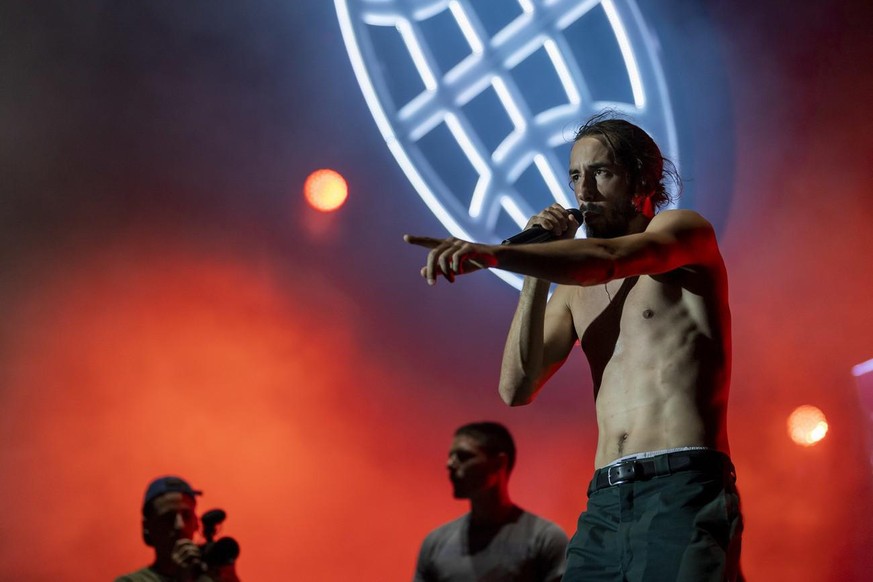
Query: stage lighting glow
[[863, 368], [325, 190], [807, 425]]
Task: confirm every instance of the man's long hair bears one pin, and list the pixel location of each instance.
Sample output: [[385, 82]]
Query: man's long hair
[[634, 150]]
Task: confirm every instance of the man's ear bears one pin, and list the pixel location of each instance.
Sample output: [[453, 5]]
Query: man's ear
[[503, 461], [146, 537]]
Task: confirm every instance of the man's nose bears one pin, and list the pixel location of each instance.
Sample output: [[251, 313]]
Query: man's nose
[[585, 191], [179, 522]]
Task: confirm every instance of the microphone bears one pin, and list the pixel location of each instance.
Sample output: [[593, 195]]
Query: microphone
[[537, 234], [222, 552], [211, 520]]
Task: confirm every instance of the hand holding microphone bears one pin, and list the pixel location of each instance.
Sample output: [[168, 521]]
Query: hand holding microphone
[[548, 225]]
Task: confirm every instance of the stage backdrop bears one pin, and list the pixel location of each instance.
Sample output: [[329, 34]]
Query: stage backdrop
[[169, 303]]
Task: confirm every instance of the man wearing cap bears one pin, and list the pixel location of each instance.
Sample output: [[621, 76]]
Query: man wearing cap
[[168, 525]]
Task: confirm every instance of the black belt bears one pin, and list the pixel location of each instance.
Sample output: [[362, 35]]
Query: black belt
[[660, 465]]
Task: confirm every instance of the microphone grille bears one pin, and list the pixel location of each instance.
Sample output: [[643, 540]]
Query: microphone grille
[[577, 214]]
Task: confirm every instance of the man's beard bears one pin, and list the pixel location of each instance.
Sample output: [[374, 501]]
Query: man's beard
[[611, 223]]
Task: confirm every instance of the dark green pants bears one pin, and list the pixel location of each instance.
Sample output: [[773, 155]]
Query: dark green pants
[[680, 527]]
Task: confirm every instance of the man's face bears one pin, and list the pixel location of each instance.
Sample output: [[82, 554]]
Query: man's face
[[601, 188], [173, 518], [471, 469]]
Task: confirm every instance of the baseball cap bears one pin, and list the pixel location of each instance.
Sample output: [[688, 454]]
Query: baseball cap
[[167, 484]]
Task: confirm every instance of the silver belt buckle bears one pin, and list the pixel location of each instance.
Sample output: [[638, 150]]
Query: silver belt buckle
[[621, 473]]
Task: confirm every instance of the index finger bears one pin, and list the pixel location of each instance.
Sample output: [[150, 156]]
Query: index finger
[[427, 242]]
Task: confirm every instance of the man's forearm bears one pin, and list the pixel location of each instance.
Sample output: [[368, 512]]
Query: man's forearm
[[567, 262], [522, 366]]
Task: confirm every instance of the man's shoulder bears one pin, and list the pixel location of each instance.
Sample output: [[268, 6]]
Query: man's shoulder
[[541, 525], [148, 575], [679, 218], [691, 236], [142, 575], [447, 529]]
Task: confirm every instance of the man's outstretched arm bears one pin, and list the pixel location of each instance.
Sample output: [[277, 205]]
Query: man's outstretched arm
[[673, 239]]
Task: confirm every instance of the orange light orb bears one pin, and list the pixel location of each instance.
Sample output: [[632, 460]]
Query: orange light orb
[[325, 190], [807, 425]]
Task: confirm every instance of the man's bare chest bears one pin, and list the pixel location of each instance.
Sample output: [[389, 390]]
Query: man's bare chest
[[632, 309]]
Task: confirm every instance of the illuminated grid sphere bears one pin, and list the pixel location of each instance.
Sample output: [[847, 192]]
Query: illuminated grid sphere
[[432, 70]]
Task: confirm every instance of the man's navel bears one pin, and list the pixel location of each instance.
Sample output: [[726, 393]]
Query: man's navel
[[621, 441]]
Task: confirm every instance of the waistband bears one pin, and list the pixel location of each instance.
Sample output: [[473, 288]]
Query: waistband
[[642, 468], [647, 454]]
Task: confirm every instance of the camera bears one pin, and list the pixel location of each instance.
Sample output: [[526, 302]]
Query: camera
[[217, 553]]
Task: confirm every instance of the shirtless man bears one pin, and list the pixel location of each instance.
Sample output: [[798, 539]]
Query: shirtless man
[[646, 297]]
